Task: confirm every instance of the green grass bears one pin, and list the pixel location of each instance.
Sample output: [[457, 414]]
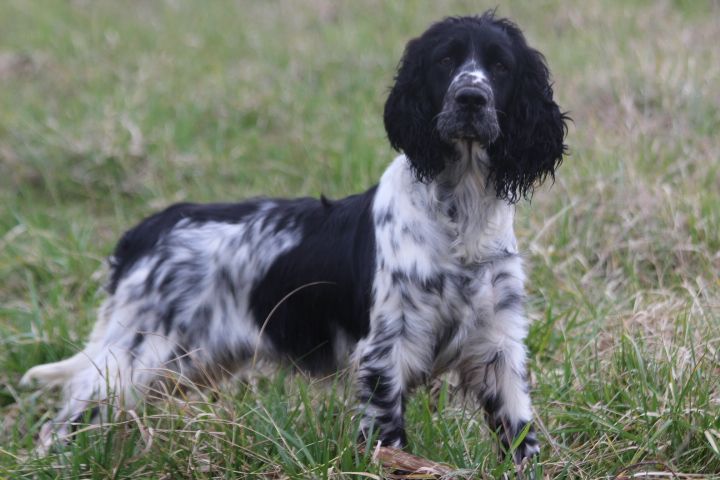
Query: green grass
[[111, 110]]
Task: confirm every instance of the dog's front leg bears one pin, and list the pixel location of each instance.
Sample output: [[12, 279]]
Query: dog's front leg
[[381, 393], [495, 374], [493, 363], [382, 398], [391, 362]]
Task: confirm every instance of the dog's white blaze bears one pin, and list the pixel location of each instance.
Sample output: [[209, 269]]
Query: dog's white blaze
[[478, 76], [471, 73]]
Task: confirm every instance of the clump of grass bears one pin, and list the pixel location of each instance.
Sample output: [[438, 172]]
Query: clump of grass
[[110, 111]]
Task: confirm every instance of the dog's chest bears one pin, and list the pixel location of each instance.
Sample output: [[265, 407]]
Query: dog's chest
[[428, 289], [431, 265], [436, 257]]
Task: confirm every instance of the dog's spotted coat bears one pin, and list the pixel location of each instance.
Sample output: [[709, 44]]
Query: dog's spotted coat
[[417, 276]]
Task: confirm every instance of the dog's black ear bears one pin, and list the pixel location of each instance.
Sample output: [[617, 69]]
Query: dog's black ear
[[410, 117], [531, 144]]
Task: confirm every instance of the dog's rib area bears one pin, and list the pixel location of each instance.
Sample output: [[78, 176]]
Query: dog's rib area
[[313, 301]]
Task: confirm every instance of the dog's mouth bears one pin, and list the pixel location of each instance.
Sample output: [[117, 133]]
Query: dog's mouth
[[460, 124]]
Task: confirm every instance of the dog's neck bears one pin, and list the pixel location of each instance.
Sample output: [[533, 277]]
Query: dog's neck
[[459, 203], [467, 201]]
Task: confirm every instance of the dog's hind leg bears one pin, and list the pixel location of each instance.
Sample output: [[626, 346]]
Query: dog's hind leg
[[115, 369], [112, 381], [59, 373]]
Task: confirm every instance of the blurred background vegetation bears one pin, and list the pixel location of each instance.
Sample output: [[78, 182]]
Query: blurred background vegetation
[[112, 110]]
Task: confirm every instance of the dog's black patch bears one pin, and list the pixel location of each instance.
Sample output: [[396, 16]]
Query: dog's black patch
[[321, 287]]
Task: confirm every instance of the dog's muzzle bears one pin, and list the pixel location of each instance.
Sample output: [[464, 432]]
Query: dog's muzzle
[[468, 113]]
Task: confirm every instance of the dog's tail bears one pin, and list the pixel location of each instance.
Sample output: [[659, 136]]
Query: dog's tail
[[54, 374]]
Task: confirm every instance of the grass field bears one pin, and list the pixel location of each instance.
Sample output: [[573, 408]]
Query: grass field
[[111, 110]]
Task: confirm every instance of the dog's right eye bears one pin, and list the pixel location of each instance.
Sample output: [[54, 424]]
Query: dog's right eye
[[446, 62]]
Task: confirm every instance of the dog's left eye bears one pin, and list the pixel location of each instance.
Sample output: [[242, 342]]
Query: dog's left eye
[[499, 68]]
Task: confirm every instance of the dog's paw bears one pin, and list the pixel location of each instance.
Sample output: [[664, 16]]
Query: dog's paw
[[523, 455], [394, 438], [51, 437], [528, 447]]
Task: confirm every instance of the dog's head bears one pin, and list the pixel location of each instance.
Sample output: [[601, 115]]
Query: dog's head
[[475, 79]]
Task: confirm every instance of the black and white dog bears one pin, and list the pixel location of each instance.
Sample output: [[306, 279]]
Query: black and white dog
[[417, 276]]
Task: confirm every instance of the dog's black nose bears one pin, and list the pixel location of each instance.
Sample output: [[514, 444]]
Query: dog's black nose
[[471, 97]]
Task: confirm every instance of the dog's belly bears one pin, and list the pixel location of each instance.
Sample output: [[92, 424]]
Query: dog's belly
[[316, 332], [312, 305]]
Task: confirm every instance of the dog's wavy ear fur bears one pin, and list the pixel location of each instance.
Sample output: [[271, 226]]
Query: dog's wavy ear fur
[[531, 143], [409, 117]]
